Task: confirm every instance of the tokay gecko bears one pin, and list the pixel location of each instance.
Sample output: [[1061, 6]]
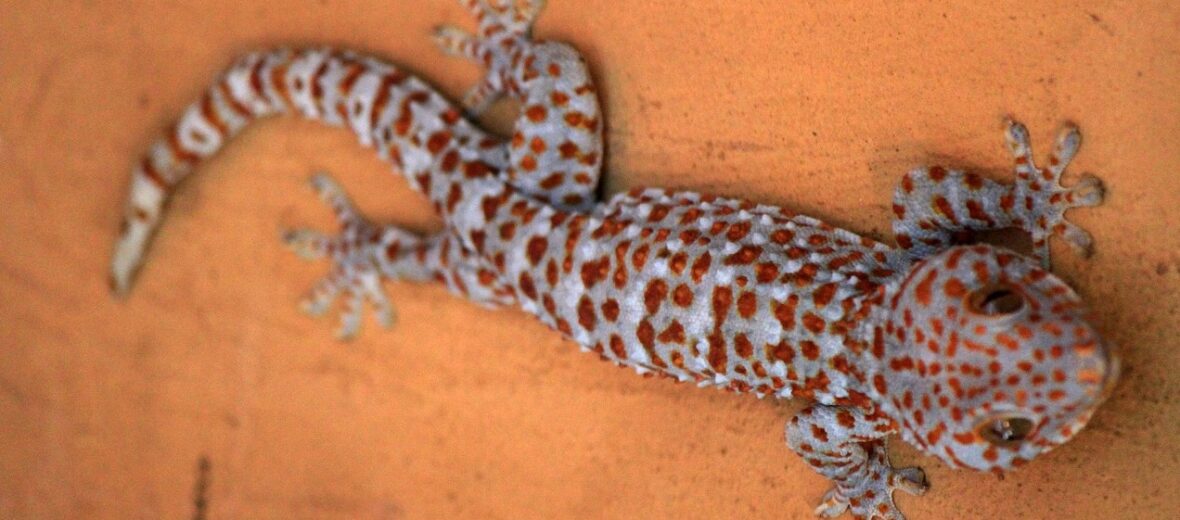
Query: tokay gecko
[[974, 354]]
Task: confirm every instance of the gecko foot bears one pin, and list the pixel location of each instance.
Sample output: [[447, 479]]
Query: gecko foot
[[1040, 201], [357, 254], [503, 27], [872, 499]]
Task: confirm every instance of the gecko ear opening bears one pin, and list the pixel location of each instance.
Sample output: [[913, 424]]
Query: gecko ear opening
[[995, 300]]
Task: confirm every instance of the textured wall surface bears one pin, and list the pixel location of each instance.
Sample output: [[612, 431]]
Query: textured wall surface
[[207, 381]]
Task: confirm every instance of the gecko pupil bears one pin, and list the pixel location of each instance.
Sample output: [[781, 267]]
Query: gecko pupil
[[996, 301], [1006, 430]]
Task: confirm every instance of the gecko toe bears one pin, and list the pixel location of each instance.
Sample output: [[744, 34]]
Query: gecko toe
[[832, 505], [305, 243], [1088, 192], [1079, 239], [912, 480]]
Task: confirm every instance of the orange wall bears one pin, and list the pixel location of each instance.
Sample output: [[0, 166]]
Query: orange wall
[[106, 407]]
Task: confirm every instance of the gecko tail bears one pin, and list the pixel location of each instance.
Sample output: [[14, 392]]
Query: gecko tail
[[258, 85], [338, 88]]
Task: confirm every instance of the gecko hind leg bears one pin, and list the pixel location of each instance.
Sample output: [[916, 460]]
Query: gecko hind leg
[[556, 150], [1045, 199], [363, 254]]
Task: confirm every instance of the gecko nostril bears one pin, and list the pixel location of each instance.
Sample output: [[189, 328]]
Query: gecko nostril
[[995, 300]]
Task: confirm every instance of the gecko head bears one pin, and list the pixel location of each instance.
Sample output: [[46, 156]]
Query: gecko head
[[989, 360]]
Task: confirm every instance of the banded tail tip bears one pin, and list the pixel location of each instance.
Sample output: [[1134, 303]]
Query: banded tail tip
[[127, 258], [120, 283]]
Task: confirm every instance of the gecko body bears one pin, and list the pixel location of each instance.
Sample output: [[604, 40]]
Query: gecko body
[[974, 354]]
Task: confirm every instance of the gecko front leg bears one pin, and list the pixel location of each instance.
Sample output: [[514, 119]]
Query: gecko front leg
[[933, 205], [847, 446]]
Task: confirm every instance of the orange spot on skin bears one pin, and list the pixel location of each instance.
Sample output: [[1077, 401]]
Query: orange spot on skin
[[809, 349], [823, 295], [595, 271], [701, 266], [553, 181], [527, 288], [575, 118], [617, 347], [747, 304], [654, 295], [678, 262], [438, 141], [766, 272], [453, 197], [536, 113], [955, 288], [568, 150], [785, 312], [943, 207], [639, 257], [976, 211], [718, 357], [449, 161], [813, 323], [682, 295], [982, 273], [923, 290], [965, 438], [646, 334], [722, 300], [782, 236], [673, 334], [1007, 341], [738, 231], [990, 454], [587, 318], [742, 346], [536, 249], [973, 181], [475, 170], [782, 352], [610, 310]]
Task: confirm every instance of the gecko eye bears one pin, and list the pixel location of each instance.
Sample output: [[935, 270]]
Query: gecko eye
[[995, 300], [1005, 430]]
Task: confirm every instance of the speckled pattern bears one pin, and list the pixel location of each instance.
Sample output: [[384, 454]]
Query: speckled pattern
[[974, 354]]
